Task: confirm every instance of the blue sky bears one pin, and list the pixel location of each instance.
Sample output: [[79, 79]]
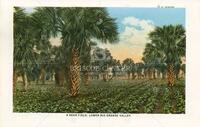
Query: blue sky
[[159, 16]]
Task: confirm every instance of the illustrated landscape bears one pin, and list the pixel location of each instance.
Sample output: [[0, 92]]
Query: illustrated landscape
[[99, 60]]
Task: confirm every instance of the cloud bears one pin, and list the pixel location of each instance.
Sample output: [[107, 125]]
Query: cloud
[[132, 39], [133, 21], [136, 31]]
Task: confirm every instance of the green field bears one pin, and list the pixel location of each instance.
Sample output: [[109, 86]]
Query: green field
[[115, 96]]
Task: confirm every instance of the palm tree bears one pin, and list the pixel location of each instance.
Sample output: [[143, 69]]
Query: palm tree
[[77, 26], [128, 64], [43, 30], [44, 59], [31, 37], [103, 28], [81, 27], [169, 43], [150, 56], [138, 67], [115, 67], [58, 65], [24, 56]]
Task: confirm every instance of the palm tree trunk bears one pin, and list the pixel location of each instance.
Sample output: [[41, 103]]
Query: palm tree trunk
[[43, 73], [133, 75], [154, 73], [67, 78], [138, 75], [57, 77], [129, 75], [74, 73], [25, 82], [14, 79], [104, 77], [145, 74], [170, 74], [61, 77], [163, 75], [177, 74], [149, 74], [86, 78], [158, 74]]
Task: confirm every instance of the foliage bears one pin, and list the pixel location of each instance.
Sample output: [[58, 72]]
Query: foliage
[[165, 51], [136, 96]]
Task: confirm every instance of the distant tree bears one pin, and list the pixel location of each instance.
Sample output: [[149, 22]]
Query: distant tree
[[168, 43], [128, 65], [138, 69]]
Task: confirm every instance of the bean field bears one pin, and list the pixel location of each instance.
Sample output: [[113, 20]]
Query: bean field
[[115, 96]]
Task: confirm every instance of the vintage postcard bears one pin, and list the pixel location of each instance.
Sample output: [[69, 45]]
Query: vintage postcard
[[101, 64]]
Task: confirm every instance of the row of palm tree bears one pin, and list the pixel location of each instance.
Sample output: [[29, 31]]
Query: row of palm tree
[[148, 70], [35, 58], [76, 27], [166, 50]]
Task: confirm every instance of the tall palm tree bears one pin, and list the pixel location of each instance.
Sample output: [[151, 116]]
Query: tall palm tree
[[78, 26], [24, 56], [81, 26], [169, 41]]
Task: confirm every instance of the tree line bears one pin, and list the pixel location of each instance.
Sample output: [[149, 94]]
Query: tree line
[[36, 59]]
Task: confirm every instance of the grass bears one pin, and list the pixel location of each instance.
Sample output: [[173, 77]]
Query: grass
[[115, 96]]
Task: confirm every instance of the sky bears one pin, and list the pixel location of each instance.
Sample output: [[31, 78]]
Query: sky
[[134, 24]]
